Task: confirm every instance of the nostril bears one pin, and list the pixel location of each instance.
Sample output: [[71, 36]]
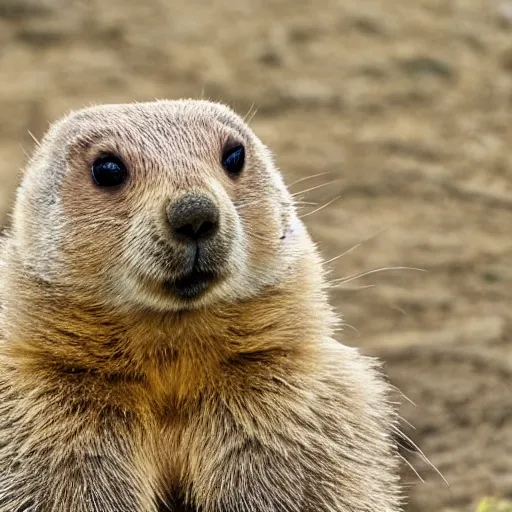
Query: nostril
[[186, 230], [205, 228], [193, 217], [196, 231]]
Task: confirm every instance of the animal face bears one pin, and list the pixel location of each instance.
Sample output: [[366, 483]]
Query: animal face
[[168, 205]]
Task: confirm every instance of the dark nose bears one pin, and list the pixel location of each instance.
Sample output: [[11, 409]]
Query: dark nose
[[193, 217]]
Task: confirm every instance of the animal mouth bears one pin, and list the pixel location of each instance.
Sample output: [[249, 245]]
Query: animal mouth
[[192, 285]]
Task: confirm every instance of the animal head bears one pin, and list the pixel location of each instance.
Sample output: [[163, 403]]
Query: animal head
[[168, 205]]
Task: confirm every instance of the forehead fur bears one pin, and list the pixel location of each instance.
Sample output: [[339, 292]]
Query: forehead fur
[[160, 130], [149, 120]]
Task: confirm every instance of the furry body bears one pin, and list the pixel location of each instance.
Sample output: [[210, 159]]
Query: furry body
[[117, 396]]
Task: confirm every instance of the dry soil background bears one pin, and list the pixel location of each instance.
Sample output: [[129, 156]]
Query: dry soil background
[[405, 104]]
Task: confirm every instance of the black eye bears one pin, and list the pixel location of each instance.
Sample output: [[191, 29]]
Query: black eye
[[108, 171], [233, 159]]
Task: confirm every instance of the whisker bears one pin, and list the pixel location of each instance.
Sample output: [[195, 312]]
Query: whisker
[[405, 397], [348, 279], [411, 467], [314, 188], [33, 137], [245, 204], [351, 327], [309, 178], [408, 423], [258, 237], [305, 203], [354, 247], [25, 152], [353, 288], [251, 200], [418, 450], [250, 114], [321, 207]]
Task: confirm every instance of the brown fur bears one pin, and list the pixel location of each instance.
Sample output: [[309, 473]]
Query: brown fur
[[115, 396]]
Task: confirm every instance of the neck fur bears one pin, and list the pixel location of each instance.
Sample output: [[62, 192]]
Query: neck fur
[[46, 326]]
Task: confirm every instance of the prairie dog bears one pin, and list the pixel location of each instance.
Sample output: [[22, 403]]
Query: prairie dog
[[166, 337]]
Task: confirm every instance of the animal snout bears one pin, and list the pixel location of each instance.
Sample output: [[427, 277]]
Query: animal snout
[[193, 217]]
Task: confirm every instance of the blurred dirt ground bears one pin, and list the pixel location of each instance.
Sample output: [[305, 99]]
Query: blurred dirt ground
[[405, 105]]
